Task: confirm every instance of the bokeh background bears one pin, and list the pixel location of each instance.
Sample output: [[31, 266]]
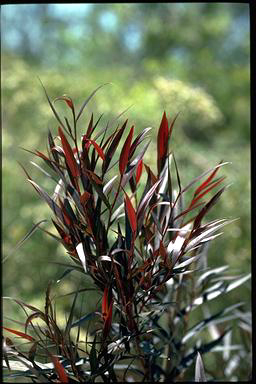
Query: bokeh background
[[178, 57]]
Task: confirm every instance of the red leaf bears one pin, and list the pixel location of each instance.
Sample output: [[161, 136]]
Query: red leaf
[[40, 154], [162, 143], [131, 214], [108, 320], [164, 255], [139, 170], [67, 99], [71, 161], [85, 197], [59, 369], [105, 303], [93, 176], [125, 152], [96, 146], [106, 312], [207, 190], [20, 334], [206, 182], [113, 146], [206, 208]]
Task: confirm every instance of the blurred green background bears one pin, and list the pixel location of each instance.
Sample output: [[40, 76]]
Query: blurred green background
[[188, 58]]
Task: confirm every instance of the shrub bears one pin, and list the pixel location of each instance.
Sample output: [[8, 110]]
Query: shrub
[[144, 246]]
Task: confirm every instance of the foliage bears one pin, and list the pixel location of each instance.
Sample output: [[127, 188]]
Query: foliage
[[194, 47], [144, 248]]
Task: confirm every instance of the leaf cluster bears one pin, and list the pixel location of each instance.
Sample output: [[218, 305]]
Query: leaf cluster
[[142, 246]]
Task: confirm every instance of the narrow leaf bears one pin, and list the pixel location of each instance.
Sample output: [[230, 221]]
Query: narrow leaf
[[20, 334], [71, 161], [125, 152], [139, 171], [83, 319], [162, 143], [138, 140], [112, 148], [51, 105], [67, 99], [97, 147], [206, 208], [88, 99], [59, 369], [26, 237], [131, 214], [56, 209], [207, 181], [81, 255], [199, 370]]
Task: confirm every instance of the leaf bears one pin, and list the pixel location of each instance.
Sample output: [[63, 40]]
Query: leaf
[[162, 143], [34, 316], [21, 303], [26, 237], [145, 201], [112, 148], [206, 208], [20, 334], [210, 295], [217, 318], [56, 209], [207, 181], [52, 145], [71, 315], [90, 127], [138, 140], [201, 176], [41, 169], [67, 99], [85, 197], [32, 352], [131, 213], [207, 190], [69, 210], [65, 273], [83, 319], [238, 282], [81, 255], [94, 362], [107, 310], [188, 359], [97, 147], [97, 183], [76, 198], [208, 230], [88, 99], [107, 187], [139, 170], [172, 124], [104, 309], [132, 166], [108, 320], [51, 105], [70, 159], [214, 271], [125, 152], [199, 369], [93, 177], [59, 369]]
